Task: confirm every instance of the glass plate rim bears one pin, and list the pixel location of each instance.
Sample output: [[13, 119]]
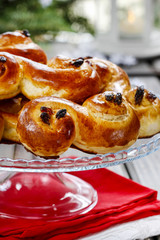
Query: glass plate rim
[[93, 161]]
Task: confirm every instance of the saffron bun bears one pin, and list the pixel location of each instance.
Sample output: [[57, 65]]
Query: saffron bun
[[106, 122], [72, 79], [19, 43], [147, 107], [72, 83], [48, 135], [9, 110], [10, 76], [113, 78]]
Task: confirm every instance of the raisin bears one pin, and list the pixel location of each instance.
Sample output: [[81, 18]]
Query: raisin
[[45, 117], [109, 97], [78, 62], [61, 113], [46, 109], [139, 95], [26, 33], [151, 96], [118, 98]]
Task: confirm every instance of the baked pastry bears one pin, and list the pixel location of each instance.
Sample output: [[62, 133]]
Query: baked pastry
[[9, 110], [147, 107], [75, 83], [113, 78], [10, 76], [104, 123], [10, 124], [53, 121], [19, 43], [76, 80]]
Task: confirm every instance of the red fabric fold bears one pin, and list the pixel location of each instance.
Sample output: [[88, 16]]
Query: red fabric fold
[[119, 200]]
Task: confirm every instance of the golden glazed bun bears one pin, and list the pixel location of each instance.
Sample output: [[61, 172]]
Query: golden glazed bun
[[113, 78], [75, 83], [45, 130], [48, 126], [75, 80], [53, 120], [147, 107], [19, 43]]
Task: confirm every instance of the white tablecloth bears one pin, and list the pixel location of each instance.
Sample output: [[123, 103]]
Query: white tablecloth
[[139, 229]]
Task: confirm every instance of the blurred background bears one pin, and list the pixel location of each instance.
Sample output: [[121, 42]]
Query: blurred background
[[125, 32]]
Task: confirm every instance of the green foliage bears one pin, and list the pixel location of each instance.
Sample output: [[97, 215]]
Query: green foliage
[[23, 14], [65, 7]]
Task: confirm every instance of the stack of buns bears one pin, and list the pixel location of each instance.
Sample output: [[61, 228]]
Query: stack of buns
[[86, 102]]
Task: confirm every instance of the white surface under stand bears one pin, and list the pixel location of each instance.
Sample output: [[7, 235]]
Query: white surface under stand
[[145, 171]]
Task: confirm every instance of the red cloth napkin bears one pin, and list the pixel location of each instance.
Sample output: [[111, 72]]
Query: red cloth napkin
[[119, 200]]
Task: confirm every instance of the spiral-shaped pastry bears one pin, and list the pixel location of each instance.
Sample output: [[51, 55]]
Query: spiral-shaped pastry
[[113, 78], [75, 83], [76, 80], [45, 127], [34, 80], [105, 123], [147, 107], [19, 43], [111, 124]]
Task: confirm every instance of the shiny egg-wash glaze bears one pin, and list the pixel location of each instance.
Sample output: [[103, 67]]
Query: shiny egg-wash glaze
[[88, 127], [147, 108], [73, 81], [19, 43], [113, 78]]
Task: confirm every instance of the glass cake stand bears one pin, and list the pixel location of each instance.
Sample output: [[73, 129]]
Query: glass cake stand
[[32, 187]]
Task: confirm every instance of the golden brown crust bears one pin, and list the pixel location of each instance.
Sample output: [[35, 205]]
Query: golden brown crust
[[45, 138], [10, 76], [9, 110], [73, 83], [10, 125], [77, 80], [112, 77], [109, 127], [19, 43], [95, 131], [72, 79], [147, 107]]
